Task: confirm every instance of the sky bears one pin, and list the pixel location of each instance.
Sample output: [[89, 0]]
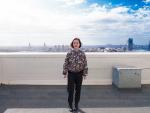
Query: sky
[[95, 22]]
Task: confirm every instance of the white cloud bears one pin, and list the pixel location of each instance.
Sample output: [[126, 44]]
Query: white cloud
[[38, 21], [74, 2], [147, 1]]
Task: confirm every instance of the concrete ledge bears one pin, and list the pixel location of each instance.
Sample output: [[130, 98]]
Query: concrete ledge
[[46, 68], [82, 110]]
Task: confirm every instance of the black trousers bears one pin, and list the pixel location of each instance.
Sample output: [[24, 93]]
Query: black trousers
[[74, 84]]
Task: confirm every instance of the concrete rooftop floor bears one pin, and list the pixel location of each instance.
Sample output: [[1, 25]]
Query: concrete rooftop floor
[[53, 99]]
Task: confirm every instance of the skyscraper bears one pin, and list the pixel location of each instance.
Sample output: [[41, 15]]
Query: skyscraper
[[149, 46], [130, 44]]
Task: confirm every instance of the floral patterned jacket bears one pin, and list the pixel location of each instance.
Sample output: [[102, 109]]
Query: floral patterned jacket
[[75, 61]]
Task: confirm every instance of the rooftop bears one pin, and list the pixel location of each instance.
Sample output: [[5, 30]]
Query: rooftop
[[53, 99], [33, 83]]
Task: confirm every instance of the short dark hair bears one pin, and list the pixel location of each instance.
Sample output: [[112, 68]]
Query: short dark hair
[[78, 40]]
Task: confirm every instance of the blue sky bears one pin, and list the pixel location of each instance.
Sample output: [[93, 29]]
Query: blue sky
[[134, 4], [54, 22]]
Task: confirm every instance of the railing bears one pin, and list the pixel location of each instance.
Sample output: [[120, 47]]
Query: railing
[[46, 68]]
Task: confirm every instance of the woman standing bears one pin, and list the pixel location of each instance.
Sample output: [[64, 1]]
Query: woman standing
[[75, 67]]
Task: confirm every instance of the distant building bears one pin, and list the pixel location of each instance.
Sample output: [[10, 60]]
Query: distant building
[[44, 44], [29, 45], [149, 46], [130, 44]]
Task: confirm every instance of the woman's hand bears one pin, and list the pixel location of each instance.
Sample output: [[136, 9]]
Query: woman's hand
[[84, 77], [65, 76]]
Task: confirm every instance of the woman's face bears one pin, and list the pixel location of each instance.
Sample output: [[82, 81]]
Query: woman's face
[[76, 44]]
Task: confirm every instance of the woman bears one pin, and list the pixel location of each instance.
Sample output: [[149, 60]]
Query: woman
[[75, 69]]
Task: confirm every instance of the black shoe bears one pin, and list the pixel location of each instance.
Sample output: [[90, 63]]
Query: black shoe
[[76, 109], [71, 110]]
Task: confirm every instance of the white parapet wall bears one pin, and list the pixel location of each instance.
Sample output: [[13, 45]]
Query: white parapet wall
[[46, 68]]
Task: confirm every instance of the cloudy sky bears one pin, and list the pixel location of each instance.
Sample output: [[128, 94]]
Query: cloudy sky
[[59, 21]]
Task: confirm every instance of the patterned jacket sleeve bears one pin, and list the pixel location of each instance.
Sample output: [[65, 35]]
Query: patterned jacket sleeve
[[65, 65], [85, 71]]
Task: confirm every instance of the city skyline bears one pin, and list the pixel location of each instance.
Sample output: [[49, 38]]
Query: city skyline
[[58, 22]]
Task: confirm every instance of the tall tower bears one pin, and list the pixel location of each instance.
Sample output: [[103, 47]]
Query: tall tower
[[29, 45], [130, 44], [149, 46], [44, 44]]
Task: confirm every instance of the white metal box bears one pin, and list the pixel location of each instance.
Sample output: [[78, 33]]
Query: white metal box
[[126, 77]]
